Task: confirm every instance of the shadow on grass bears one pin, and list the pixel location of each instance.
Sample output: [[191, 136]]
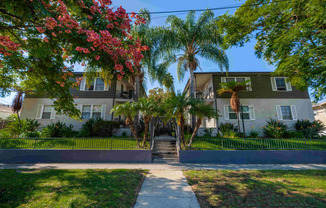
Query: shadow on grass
[[265, 188], [69, 188]]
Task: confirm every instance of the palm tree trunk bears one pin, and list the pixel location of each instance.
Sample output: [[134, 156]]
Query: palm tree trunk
[[182, 130], [195, 131], [129, 122], [192, 95], [146, 120], [136, 96], [238, 124]]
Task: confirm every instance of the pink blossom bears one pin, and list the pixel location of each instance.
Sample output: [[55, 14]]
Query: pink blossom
[[97, 57]]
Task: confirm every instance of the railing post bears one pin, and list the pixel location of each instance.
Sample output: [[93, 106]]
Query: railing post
[[34, 143], [262, 145], [305, 141], [222, 144], [111, 142]]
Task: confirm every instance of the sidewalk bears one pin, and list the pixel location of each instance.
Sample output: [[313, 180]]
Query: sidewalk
[[166, 188], [152, 166]]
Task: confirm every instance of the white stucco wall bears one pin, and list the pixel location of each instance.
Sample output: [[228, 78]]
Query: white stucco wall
[[30, 105], [264, 108], [320, 114]]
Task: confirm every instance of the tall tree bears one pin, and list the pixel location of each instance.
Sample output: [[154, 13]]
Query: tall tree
[[234, 88], [186, 40], [40, 40], [129, 110], [201, 110], [290, 35]]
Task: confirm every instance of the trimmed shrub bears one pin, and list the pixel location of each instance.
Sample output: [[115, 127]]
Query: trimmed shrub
[[309, 129], [59, 129], [294, 135], [15, 127], [208, 132], [228, 129], [253, 134], [31, 134], [98, 128], [275, 129]]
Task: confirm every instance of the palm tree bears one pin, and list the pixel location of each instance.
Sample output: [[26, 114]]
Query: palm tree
[[200, 109], [129, 110], [186, 40], [234, 88], [148, 108], [178, 105]]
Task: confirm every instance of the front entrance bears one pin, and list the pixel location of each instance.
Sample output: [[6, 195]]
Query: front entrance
[[162, 129]]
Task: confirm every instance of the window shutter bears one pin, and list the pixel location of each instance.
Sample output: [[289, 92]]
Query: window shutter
[[294, 112], [288, 84], [223, 79], [52, 116], [249, 88], [103, 111], [252, 112], [279, 112], [39, 111], [82, 84], [226, 112], [274, 87]]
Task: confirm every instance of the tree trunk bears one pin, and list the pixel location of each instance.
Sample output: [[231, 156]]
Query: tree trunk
[[195, 131], [182, 130], [132, 128], [136, 98], [146, 121], [238, 123], [20, 122], [192, 95]]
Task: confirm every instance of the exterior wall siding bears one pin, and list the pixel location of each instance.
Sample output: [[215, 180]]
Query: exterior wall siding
[[29, 110]]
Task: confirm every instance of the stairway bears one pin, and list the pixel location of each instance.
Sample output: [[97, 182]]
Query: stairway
[[165, 150]]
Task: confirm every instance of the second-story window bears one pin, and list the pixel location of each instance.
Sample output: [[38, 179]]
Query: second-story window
[[281, 84], [96, 85], [238, 79]]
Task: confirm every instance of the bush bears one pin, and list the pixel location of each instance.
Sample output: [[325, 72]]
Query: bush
[[208, 132], [16, 127], [59, 129], [124, 134], [4, 134], [228, 129], [275, 129], [294, 135], [309, 129], [98, 128], [253, 134], [31, 134]]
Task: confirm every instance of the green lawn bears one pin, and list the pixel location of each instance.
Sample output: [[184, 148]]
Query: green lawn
[[254, 144], [70, 143], [70, 188], [260, 188]]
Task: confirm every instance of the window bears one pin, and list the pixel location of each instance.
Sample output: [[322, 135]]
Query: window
[[281, 84], [96, 111], [99, 84], [96, 85], [286, 112], [47, 109], [45, 112], [245, 115], [238, 79], [86, 111], [92, 111]]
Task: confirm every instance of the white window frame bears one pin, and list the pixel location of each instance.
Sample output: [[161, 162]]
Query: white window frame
[[103, 110], [251, 113], [83, 85], [287, 82], [39, 113], [249, 87], [293, 112]]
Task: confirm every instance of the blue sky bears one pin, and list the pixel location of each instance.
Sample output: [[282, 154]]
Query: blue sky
[[241, 59]]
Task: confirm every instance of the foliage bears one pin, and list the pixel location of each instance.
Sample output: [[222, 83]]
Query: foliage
[[208, 132], [309, 129], [228, 129], [290, 35], [253, 134], [293, 134], [16, 127], [41, 40], [275, 129], [59, 129], [4, 134], [98, 128], [31, 134]]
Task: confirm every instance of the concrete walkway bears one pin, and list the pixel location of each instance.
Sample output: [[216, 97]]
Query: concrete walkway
[[166, 188], [151, 166]]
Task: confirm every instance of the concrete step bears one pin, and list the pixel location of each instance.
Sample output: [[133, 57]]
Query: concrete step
[[161, 160], [164, 152], [165, 148]]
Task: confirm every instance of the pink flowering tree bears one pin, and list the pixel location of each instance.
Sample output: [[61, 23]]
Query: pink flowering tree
[[41, 40]]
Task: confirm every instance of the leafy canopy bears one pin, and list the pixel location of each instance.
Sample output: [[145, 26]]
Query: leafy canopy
[[290, 35], [40, 40]]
